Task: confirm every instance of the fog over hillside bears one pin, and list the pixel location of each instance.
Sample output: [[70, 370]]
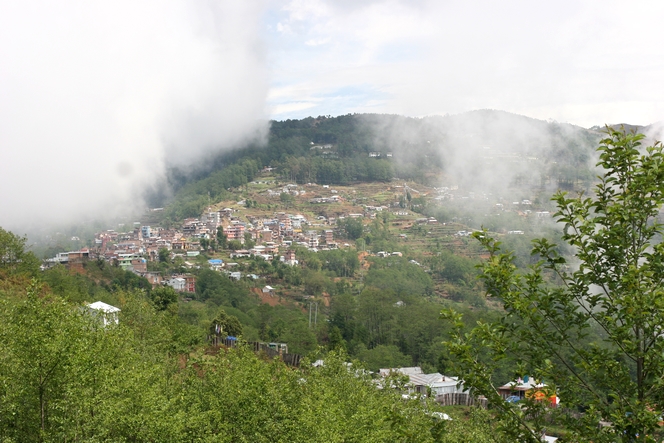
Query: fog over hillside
[[487, 149]]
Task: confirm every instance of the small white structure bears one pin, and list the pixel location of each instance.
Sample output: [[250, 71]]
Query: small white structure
[[421, 383], [177, 283], [105, 312]]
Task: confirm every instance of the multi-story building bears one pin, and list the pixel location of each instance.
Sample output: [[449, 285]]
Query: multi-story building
[[235, 232], [312, 239]]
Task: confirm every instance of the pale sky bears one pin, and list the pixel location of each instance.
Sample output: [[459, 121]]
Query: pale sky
[[96, 97]]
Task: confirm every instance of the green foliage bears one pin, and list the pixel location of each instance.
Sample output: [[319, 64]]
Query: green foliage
[[248, 241], [453, 268], [343, 263], [477, 427], [229, 324], [592, 332], [234, 245], [383, 356], [14, 258], [163, 297], [314, 282], [352, 228], [377, 312], [72, 287], [221, 238], [66, 377], [164, 255], [220, 290], [398, 275]]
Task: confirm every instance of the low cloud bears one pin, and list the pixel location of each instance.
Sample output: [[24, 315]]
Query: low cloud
[[98, 98]]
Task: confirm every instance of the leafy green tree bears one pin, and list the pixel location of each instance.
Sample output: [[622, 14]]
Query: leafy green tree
[[377, 312], [70, 286], [314, 282], [336, 339], [221, 238], [286, 199], [344, 263], [383, 356], [248, 241], [591, 331], [163, 297], [234, 245], [221, 290], [400, 276], [300, 339], [228, 324], [164, 255], [453, 268], [353, 228], [14, 258]]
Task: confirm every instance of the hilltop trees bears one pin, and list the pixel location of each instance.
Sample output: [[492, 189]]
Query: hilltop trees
[[592, 329]]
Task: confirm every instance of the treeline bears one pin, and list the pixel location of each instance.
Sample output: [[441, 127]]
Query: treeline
[[193, 197], [336, 171]]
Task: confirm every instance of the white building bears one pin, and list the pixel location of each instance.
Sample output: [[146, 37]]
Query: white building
[[177, 283], [106, 313]]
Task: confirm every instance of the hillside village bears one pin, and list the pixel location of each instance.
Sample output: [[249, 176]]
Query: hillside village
[[274, 219]]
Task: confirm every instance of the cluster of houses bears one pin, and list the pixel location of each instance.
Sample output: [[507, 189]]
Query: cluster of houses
[[442, 387], [132, 250]]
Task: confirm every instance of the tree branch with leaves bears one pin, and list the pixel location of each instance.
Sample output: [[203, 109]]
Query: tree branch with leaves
[[590, 328]]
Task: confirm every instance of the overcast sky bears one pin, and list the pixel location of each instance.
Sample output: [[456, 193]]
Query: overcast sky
[[583, 62], [95, 97]]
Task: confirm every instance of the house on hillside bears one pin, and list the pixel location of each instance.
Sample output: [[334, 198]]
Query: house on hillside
[[526, 387], [177, 283], [426, 384], [216, 264], [435, 384], [289, 258]]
